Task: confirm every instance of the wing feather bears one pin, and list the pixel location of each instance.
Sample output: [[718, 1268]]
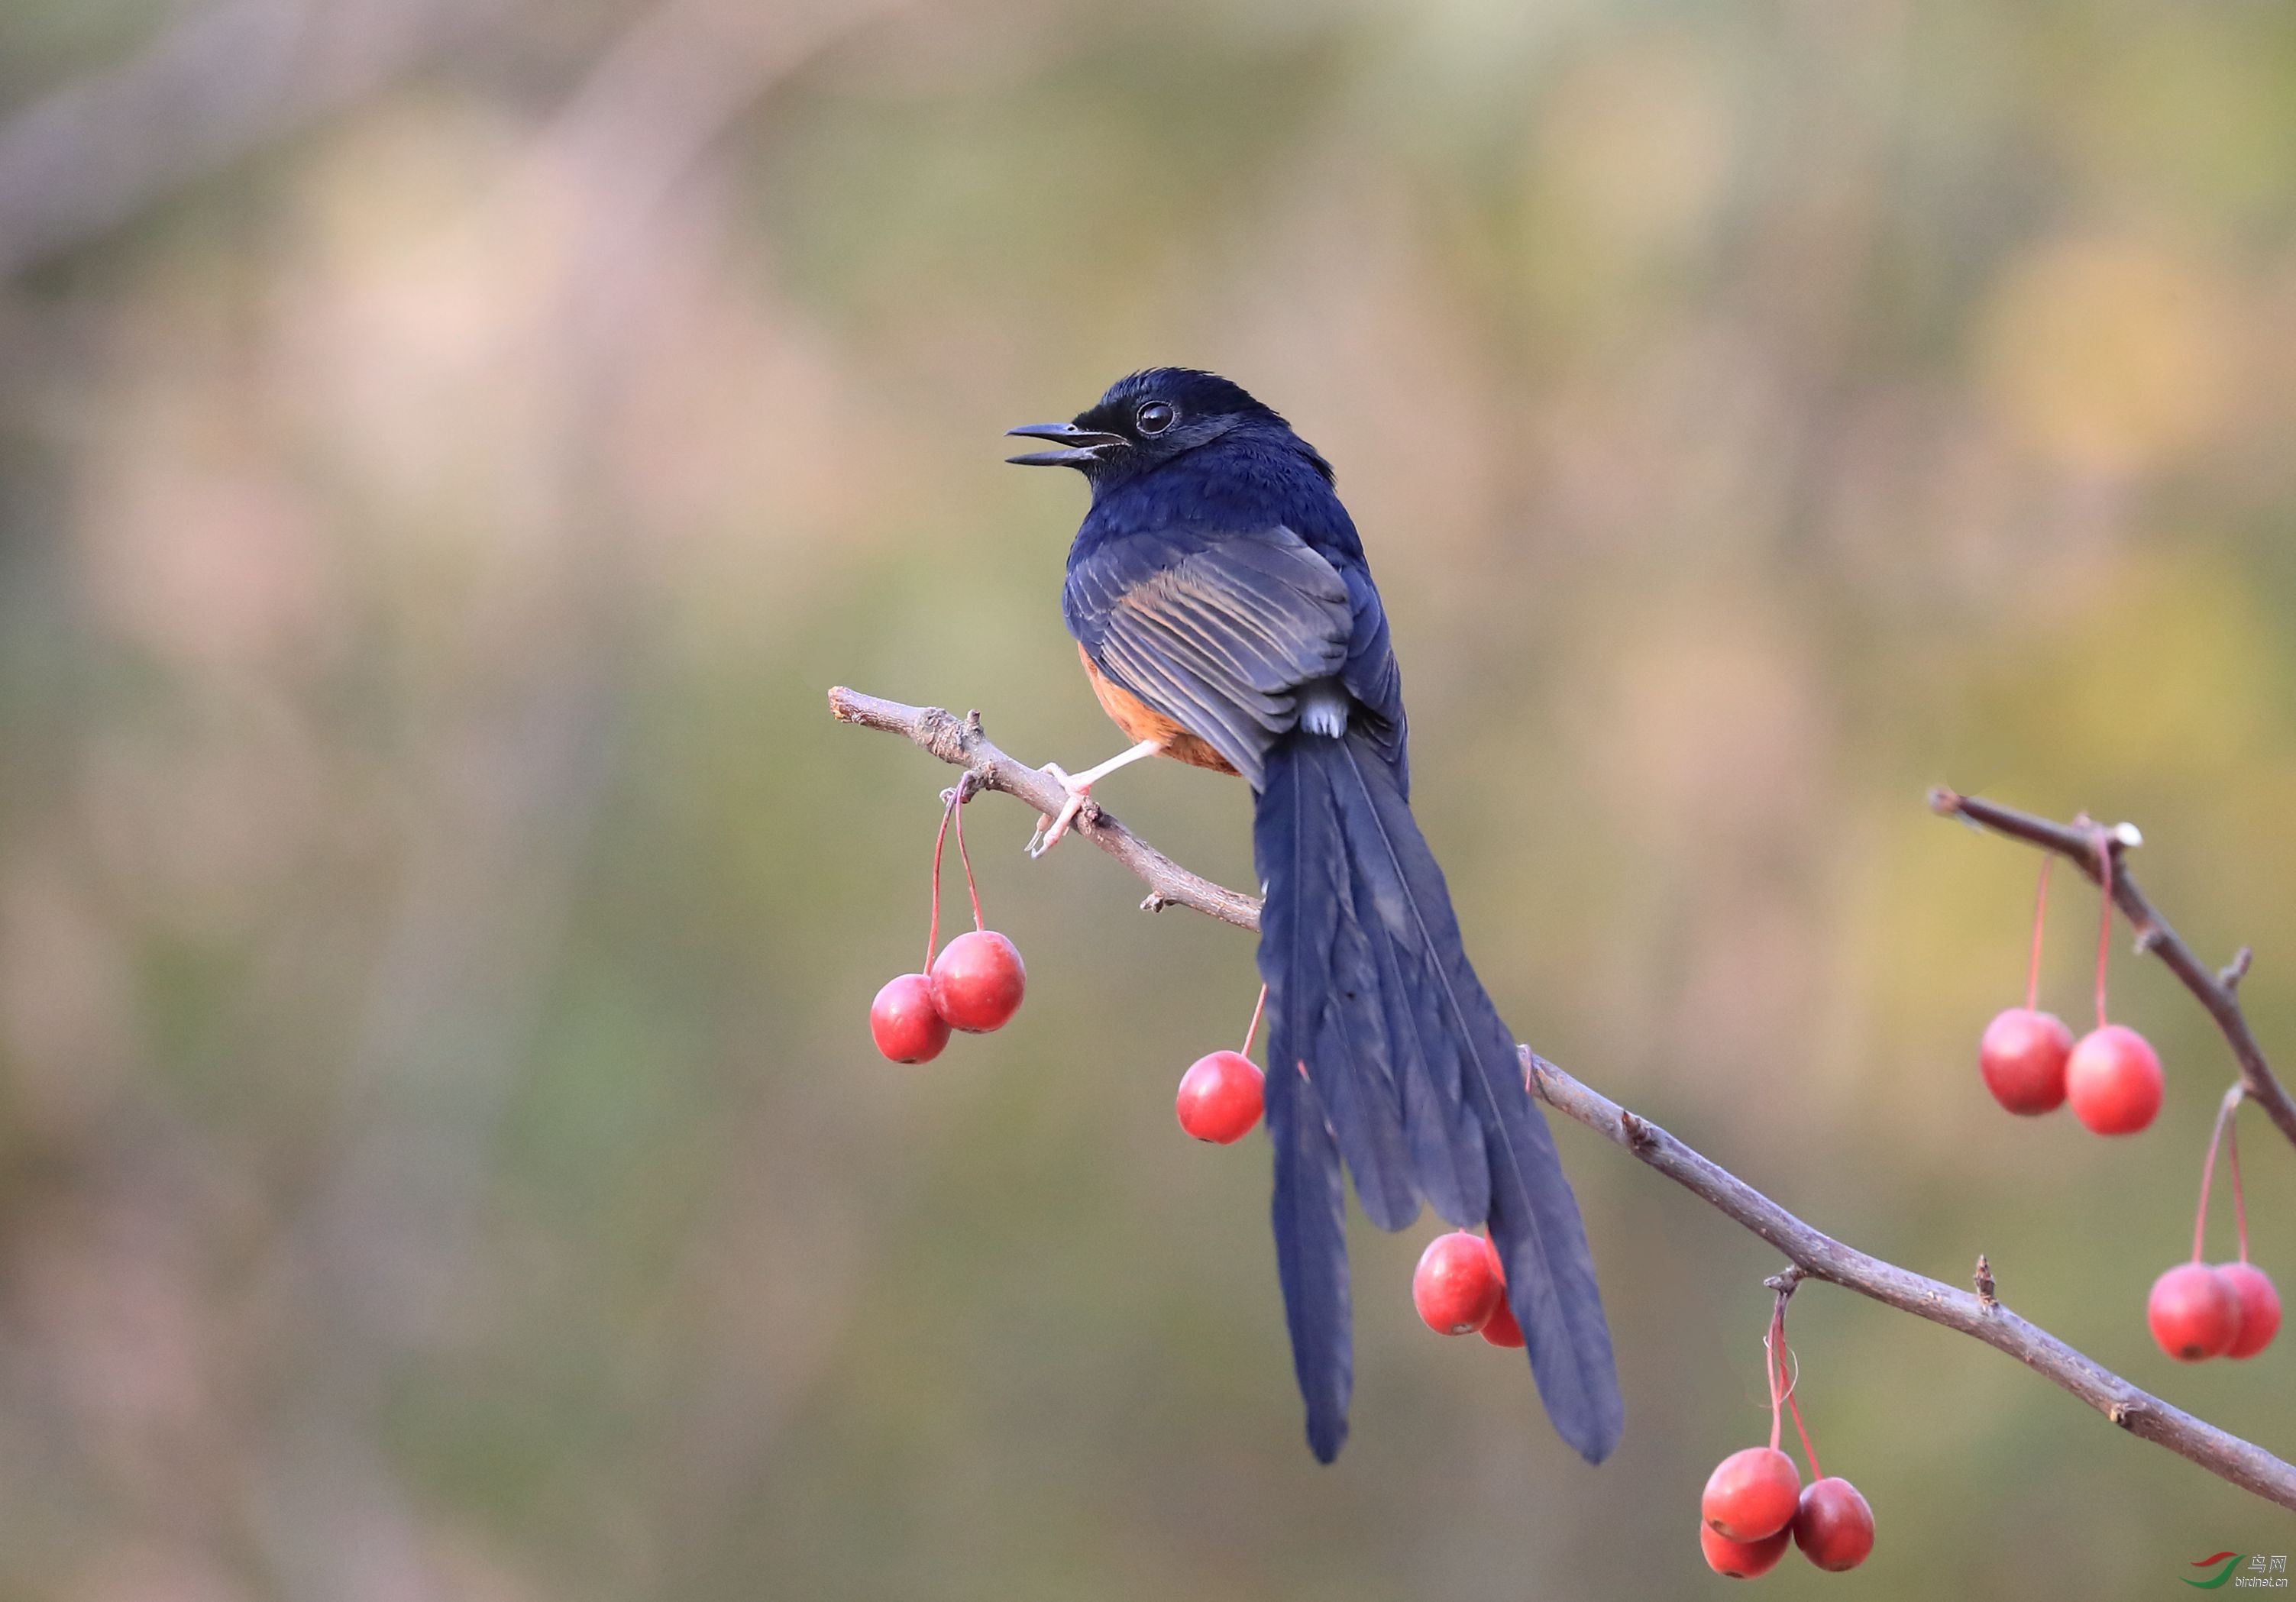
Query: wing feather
[[1215, 630]]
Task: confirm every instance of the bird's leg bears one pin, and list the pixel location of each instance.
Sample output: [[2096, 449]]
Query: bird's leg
[[1078, 786]]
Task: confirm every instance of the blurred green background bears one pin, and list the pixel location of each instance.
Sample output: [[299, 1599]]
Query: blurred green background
[[447, 451]]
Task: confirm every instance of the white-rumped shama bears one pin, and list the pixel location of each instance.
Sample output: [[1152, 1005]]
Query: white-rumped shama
[[1218, 594]]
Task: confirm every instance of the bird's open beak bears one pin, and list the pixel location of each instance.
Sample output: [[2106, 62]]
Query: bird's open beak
[[1080, 445]]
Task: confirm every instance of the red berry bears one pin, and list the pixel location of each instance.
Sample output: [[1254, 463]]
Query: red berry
[[2259, 1308], [2194, 1312], [977, 981], [1834, 1527], [1454, 1288], [1220, 1097], [1501, 1329], [1751, 1495], [904, 1022], [2113, 1081], [2022, 1057], [1742, 1559]]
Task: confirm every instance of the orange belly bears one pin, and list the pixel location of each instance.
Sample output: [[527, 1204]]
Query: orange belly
[[1140, 721]]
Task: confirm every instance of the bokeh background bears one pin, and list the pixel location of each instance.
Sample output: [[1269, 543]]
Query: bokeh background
[[447, 451]]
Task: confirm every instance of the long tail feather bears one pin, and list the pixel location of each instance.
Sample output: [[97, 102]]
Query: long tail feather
[[1370, 987], [1311, 1255]]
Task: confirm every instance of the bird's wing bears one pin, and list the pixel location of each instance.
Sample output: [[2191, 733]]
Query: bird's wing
[[1215, 630]]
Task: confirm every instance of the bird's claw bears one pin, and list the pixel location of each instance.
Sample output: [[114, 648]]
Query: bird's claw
[[1050, 830]]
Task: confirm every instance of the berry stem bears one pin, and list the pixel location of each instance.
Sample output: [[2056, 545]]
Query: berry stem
[[1781, 1388], [2232, 1156], [1808, 1450], [955, 805], [1773, 1369], [2040, 916], [932, 929], [2217, 1137], [2104, 921], [1249, 1033]]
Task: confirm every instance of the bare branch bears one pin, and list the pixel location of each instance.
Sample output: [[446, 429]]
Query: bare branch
[[2217, 993], [960, 742], [1809, 1253], [1820, 1256]]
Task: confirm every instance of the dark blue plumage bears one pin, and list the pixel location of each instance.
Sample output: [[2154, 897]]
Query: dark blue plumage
[[1220, 591]]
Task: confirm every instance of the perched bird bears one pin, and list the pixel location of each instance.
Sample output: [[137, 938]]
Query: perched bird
[[1220, 600]]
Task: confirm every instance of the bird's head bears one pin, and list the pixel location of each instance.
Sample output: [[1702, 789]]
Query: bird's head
[[1152, 418]]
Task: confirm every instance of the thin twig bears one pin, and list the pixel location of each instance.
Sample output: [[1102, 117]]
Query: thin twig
[[960, 742], [2232, 972], [2218, 993], [1809, 1253]]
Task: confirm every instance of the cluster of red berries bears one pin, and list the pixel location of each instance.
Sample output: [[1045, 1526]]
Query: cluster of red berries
[[1460, 1288], [2032, 1065], [1755, 1502], [2231, 1310], [973, 985]]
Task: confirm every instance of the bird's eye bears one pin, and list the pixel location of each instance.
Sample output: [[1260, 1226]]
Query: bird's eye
[[1154, 418]]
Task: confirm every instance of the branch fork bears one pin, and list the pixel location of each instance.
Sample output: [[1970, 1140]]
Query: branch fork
[[2217, 993]]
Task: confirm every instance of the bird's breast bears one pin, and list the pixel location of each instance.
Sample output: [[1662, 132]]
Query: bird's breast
[[1140, 721]]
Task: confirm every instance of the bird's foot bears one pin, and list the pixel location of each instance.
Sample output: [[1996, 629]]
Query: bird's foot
[[1079, 789], [1050, 830]]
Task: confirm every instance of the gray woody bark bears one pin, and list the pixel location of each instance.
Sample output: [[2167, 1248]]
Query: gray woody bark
[[1813, 1254]]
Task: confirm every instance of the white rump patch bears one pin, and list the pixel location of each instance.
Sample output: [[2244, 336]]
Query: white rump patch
[[1324, 710]]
